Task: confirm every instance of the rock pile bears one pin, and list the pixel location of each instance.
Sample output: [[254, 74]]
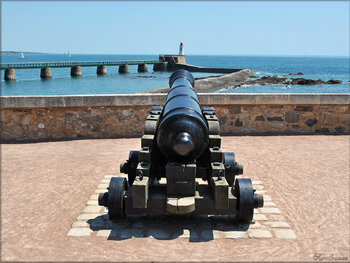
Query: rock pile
[[293, 81]]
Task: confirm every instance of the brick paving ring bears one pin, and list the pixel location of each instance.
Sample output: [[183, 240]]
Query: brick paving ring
[[94, 220]]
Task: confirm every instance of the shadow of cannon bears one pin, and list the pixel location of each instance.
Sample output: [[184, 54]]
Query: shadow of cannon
[[169, 227]]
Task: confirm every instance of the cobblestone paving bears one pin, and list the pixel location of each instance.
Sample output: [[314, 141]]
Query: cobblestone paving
[[267, 223]]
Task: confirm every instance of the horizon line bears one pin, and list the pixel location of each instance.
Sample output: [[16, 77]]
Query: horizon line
[[195, 54]]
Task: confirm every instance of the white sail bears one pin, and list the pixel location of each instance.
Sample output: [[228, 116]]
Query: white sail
[[22, 55]]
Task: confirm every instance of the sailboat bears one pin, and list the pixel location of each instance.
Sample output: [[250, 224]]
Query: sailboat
[[68, 54], [21, 56]]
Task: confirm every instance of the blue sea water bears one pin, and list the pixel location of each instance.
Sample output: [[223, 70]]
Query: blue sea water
[[29, 82]]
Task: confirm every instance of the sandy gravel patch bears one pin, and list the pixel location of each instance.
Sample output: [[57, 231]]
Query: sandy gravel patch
[[46, 186]]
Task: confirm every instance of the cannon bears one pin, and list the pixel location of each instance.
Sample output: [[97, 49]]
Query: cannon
[[181, 144]]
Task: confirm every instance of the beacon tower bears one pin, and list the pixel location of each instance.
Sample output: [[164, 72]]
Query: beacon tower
[[181, 49]]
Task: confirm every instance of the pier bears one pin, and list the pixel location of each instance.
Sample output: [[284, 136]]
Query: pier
[[164, 63], [45, 72]]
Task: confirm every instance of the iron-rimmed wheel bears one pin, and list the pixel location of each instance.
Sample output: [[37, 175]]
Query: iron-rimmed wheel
[[244, 192], [132, 165], [229, 162], [116, 193]]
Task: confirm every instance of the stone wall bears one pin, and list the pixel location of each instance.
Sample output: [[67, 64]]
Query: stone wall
[[112, 116], [284, 119], [174, 59]]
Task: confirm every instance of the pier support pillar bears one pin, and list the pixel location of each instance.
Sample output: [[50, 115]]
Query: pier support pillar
[[123, 69], [160, 66], [142, 68], [45, 73], [76, 71], [10, 74], [102, 70]]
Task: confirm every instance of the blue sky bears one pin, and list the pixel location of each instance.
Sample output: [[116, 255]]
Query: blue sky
[[218, 28]]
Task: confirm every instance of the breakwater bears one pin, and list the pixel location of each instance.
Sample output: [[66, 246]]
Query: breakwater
[[164, 63], [113, 116], [193, 68], [45, 67]]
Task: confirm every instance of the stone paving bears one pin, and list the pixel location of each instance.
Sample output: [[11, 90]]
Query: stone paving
[[268, 223]]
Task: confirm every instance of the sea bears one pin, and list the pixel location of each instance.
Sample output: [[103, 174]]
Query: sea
[[28, 81]]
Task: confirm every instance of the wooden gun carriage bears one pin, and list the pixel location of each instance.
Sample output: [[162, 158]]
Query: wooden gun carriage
[[181, 143]]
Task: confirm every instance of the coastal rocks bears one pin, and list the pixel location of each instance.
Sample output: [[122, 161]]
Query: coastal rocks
[[334, 81], [144, 77], [237, 79], [285, 81], [299, 73], [301, 81], [266, 80]]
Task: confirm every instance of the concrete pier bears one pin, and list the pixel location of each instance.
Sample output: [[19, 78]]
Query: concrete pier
[[76, 71], [123, 69], [45, 73], [142, 68], [10, 75], [160, 67], [102, 70]]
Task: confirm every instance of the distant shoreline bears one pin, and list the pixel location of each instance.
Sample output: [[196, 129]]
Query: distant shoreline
[[19, 52]]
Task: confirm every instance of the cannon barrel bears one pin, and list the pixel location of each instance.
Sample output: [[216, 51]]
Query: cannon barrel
[[182, 132]]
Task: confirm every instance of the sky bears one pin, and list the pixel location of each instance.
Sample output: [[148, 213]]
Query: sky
[[206, 28]]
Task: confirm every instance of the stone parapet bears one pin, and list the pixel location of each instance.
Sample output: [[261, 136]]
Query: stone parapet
[[112, 116]]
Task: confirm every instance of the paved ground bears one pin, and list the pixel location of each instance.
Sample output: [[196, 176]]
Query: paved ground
[[45, 187]]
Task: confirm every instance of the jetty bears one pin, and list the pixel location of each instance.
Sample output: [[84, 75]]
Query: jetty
[[164, 63], [76, 66]]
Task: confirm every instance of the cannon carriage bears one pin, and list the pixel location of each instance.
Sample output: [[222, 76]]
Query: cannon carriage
[[181, 143]]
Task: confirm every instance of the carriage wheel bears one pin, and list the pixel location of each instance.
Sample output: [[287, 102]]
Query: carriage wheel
[[244, 192], [116, 193]]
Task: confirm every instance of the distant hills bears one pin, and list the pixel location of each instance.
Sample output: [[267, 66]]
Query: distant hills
[[19, 52]]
